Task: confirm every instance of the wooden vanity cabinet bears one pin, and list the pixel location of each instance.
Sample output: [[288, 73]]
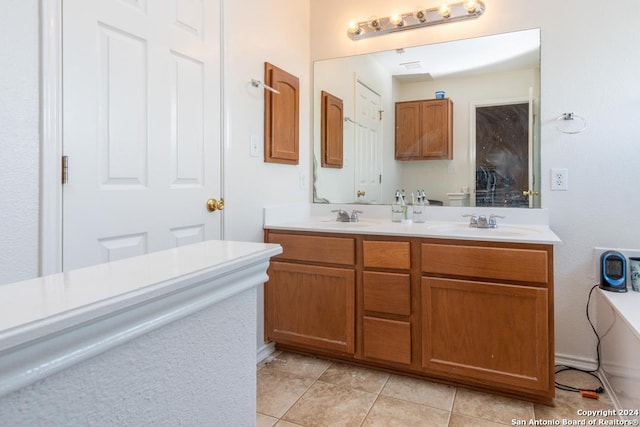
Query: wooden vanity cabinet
[[487, 315], [471, 313], [310, 295], [424, 130]]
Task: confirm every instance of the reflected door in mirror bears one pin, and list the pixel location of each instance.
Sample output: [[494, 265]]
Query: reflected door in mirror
[[368, 144]]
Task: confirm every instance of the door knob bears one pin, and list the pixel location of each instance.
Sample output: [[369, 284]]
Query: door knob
[[530, 193], [215, 205], [360, 193]]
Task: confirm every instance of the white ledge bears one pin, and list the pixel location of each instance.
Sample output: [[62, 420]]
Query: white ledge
[[53, 322]]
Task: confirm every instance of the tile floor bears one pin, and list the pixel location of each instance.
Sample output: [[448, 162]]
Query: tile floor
[[295, 390]]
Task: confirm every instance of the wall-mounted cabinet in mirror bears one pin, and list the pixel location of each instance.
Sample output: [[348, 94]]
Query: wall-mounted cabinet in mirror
[[424, 130], [501, 69], [331, 133]]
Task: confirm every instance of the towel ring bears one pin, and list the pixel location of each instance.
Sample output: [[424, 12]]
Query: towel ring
[[570, 117]]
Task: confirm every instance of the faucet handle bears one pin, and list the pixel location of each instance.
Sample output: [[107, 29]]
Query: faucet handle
[[473, 222], [354, 215], [492, 220], [342, 216]]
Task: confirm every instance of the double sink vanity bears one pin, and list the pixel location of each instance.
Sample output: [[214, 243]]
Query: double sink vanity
[[439, 300]]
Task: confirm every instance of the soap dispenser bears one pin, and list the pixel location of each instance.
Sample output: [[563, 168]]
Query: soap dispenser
[[396, 208], [419, 211]]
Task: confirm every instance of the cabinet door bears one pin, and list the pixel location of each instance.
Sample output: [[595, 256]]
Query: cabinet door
[[436, 130], [281, 116], [408, 130], [311, 306], [487, 332], [331, 132]]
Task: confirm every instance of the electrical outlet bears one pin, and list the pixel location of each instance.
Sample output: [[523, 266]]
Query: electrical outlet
[[451, 169], [559, 179]]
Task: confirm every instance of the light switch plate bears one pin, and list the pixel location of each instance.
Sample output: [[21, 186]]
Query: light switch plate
[[254, 149]]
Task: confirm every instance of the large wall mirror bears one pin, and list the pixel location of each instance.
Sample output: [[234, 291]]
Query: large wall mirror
[[494, 85]]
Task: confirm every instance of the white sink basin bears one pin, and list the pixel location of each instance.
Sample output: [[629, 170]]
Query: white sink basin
[[465, 230]]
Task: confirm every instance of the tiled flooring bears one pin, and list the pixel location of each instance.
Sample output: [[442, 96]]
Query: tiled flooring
[[295, 390]]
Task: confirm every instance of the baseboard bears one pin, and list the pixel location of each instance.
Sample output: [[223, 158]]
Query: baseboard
[[575, 362], [265, 351]]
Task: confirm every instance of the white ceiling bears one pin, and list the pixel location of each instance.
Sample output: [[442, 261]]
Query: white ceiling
[[503, 52]]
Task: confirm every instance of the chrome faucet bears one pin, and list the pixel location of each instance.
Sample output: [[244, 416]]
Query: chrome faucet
[[481, 221], [343, 216]]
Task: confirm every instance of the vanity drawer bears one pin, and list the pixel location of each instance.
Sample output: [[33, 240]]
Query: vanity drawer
[[501, 263], [388, 340], [328, 250], [386, 254], [387, 293]]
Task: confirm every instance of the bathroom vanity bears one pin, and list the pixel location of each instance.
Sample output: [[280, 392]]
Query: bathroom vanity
[[437, 300]]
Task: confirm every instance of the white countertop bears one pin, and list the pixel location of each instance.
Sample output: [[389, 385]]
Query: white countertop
[[520, 233], [518, 225]]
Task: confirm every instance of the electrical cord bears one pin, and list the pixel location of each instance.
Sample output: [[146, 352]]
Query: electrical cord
[[563, 368]]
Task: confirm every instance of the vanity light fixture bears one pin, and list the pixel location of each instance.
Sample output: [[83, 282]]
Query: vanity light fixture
[[445, 11], [421, 18], [397, 20]]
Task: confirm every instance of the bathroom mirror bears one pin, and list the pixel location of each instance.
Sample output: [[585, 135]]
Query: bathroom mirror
[[480, 76]]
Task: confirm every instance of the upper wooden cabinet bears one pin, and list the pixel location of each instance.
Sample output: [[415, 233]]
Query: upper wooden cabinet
[[281, 116], [424, 129], [331, 133]]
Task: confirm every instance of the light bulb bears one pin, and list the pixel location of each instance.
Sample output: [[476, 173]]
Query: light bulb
[[354, 28], [421, 16], [444, 11], [396, 20], [471, 5], [375, 24]]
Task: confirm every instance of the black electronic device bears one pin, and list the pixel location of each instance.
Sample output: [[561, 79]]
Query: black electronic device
[[613, 272]]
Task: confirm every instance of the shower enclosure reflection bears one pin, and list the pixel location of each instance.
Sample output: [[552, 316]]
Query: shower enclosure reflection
[[502, 155]]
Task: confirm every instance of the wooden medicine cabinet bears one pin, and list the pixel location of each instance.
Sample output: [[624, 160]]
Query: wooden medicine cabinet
[[281, 116]]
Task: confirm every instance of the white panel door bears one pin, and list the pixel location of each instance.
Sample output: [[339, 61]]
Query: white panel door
[[368, 146], [141, 111]]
